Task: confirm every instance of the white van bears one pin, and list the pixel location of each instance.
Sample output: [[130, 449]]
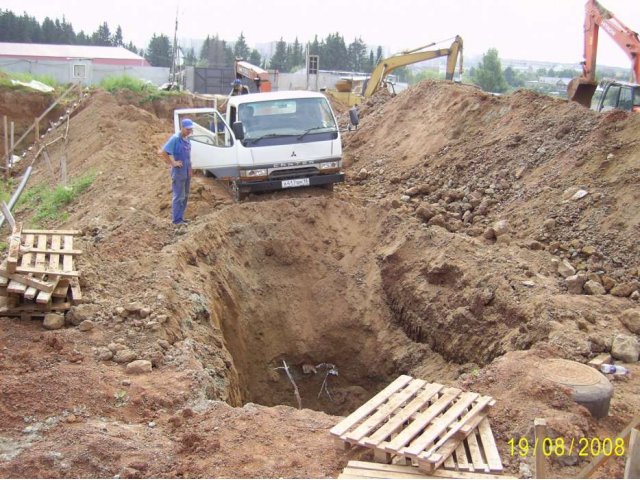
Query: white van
[[267, 141]]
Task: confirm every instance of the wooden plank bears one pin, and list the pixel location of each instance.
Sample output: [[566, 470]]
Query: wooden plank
[[450, 463], [477, 459], [16, 287], [384, 470], [440, 425], [46, 271], [489, 446], [363, 473], [53, 232], [462, 458], [75, 292], [54, 258], [35, 308], [632, 467], [381, 397], [43, 298], [67, 260], [540, 428], [385, 410], [14, 248], [33, 282], [597, 361], [421, 420], [41, 258], [32, 291], [62, 289], [404, 415], [4, 281], [24, 250]]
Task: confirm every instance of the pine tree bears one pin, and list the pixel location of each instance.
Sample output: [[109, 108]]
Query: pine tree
[[279, 59], [158, 52], [116, 40], [255, 58], [241, 49], [102, 36]]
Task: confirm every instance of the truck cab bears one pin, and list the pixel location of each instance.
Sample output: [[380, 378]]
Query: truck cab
[[615, 94], [267, 141]]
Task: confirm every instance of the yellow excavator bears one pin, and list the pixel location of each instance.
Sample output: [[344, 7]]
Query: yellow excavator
[[353, 91]]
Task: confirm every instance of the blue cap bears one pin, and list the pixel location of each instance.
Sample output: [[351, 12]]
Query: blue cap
[[187, 123], [237, 81]]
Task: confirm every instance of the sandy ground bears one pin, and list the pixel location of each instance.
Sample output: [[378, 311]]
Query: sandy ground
[[437, 258]]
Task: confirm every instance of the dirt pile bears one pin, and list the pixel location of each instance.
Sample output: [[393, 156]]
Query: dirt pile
[[404, 269]]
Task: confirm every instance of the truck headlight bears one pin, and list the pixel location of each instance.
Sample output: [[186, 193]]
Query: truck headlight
[[261, 172], [327, 165]]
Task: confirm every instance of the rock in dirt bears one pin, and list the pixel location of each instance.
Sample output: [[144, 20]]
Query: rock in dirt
[[104, 354], [631, 319], [625, 348], [575, 283], [625, 289], [124, 356], [133, 307], [79, 313], [594, 288], [565, 269], [139, 366], [86, 326], [53, 321], [501, 227]]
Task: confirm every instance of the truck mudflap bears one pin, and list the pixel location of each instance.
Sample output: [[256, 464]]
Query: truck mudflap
[[269, 185]]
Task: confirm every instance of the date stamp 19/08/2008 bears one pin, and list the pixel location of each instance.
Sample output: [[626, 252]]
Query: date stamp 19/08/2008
[[559, 447]]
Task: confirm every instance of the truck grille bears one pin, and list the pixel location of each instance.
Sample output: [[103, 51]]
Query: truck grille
[[293, 173]]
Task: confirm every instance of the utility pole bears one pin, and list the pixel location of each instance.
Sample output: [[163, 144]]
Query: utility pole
[[174, 55]]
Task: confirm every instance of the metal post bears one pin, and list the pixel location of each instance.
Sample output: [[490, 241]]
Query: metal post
[[6, 140]]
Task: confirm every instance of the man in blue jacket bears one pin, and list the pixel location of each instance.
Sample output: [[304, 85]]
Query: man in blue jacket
[[177, 155]]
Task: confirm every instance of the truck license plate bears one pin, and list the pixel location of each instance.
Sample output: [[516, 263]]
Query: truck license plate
[[296, 182]]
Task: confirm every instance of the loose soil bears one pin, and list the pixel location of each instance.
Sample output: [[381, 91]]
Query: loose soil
[[400, 270]]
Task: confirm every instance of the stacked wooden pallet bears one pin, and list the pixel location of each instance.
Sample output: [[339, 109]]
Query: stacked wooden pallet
[[39, 276], [427, 424]]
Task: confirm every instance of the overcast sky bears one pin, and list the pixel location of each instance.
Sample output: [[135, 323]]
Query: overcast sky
[[548, 30]]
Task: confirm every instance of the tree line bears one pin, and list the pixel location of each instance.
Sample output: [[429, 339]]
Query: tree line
[[334, 52], [26, 29]]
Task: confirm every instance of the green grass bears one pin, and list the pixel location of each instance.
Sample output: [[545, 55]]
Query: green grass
[[5, 80], [48, 203], [147, 91]]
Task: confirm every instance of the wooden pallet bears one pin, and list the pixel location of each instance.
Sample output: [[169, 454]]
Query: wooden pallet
[[39, 270], [415, 421], [368, 470]]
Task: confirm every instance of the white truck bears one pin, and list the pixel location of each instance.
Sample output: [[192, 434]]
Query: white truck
[[267, 141]]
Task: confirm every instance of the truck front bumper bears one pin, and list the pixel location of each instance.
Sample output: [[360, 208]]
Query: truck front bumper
[[270, 185]]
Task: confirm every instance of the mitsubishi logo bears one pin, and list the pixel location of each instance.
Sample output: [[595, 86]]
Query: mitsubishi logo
[[293, 154]]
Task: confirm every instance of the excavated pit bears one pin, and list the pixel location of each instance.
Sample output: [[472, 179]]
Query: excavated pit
[[349, 300], [295, 284]]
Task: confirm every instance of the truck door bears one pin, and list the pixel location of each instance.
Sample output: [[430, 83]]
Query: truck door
[[212, 143]]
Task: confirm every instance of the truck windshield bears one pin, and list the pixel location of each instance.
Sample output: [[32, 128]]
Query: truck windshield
[[274, 118]]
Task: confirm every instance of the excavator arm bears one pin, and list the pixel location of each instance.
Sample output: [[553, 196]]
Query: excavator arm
[[581, 89], [388, 65]]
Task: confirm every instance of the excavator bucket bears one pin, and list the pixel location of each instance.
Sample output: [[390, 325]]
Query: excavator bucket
[[581, 90]]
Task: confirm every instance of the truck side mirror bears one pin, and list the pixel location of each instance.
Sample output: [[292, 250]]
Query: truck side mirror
[[238, 130]]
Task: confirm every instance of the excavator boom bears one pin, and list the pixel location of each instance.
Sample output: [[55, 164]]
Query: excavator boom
[[581, 89], [386, 66]]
